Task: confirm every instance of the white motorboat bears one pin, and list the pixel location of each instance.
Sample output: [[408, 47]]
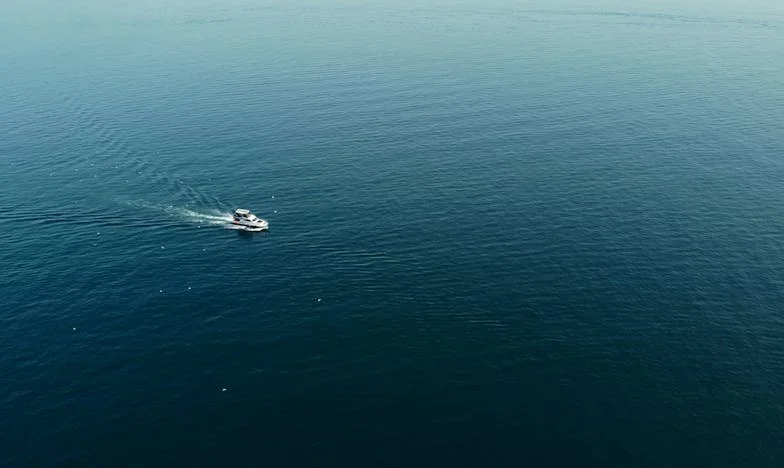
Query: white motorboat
[[249, 221]]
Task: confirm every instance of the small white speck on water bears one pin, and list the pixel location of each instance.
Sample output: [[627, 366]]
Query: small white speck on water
[[275, 211], [74, 328], [203, 250], [223, 390], [163, 247], [273, 197], [318, 300], [161, 290], [189, 288]]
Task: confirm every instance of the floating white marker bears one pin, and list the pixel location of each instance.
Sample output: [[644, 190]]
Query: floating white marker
[[189, 288], [74, 328], [276, 211], [273, 197], [161, 290], [223, 390], [163, 247], [318, 300]]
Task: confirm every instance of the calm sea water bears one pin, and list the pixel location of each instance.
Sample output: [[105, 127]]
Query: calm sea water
[[502, 234]]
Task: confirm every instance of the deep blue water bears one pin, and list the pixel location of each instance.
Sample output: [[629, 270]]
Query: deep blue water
[[502, 234]]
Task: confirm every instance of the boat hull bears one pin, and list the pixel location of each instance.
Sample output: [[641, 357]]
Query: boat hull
[[256, 227]]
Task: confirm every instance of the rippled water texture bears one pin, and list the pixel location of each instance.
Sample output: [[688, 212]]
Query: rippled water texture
[[501, 234]]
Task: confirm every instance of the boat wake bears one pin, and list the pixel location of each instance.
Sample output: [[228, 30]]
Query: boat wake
[[131, 165], [212, 217], [117, 154], [217, 219]]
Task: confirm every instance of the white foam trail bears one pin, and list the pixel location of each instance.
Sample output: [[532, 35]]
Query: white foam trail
[[214, 218], [211, 217]]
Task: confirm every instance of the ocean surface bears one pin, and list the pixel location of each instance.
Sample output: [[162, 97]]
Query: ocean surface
[[502, 233]]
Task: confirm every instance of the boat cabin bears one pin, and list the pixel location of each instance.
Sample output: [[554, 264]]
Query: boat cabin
[[240, 214]]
